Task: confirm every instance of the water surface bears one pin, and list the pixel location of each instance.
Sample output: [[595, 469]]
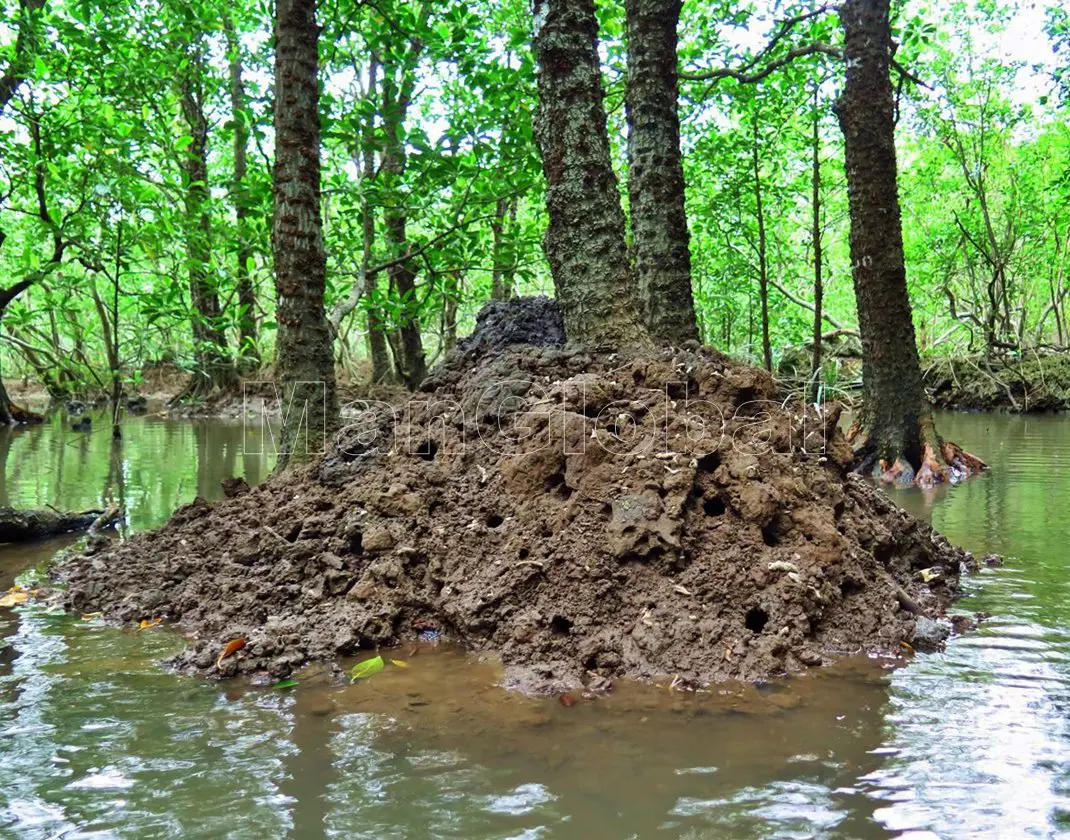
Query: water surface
[[97, 740]]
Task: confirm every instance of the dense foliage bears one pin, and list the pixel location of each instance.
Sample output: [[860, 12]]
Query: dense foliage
[[136, 151]]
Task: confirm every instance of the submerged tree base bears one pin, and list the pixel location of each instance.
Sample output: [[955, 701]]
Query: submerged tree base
[[584, 516], [939, 462]]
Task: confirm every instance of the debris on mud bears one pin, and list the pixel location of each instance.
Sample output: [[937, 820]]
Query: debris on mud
[[584, 516]]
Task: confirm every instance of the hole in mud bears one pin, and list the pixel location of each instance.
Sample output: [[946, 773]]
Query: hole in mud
[[837, 510], [427, 450], [756, 619], [770, 536], [709, 462], [745, 395], [850, 586], [356, 543], [713, 507], [494, 521], [556, 484], [560, 625], [678, 390], [523, 554]]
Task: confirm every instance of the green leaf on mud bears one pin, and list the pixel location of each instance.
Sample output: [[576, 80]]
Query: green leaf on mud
[[367, 668], [286, 684]]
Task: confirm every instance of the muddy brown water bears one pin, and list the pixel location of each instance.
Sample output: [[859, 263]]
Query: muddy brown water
[[97, 740]]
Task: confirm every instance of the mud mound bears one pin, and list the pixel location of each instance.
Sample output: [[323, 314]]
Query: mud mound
[[587, 517], [1036, 382], [535, 321]]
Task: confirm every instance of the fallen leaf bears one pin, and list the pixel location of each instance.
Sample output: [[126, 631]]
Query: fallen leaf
[[928, 575], [400, 663], [233, 646], [683, 590], [14, 598], [92, 616], [146, 623], [907, 647], [367, 668], [286, 684], [567, 700]]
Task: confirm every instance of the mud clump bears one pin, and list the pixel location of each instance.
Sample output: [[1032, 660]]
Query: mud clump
[[586, 517]]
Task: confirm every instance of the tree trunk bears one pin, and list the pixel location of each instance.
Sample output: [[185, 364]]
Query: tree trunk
[[900, 437], [209, 339], [819, 286], [412, 362], [249, 351], [22, 53], [305, 363], [452, 295], [11, 414], [377, 347], [26, 525], [501, 281], [584, 241], [656, 173], [763, 251]]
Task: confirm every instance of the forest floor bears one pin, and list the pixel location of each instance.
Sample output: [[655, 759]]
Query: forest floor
[[1036, 382], [585, 517]]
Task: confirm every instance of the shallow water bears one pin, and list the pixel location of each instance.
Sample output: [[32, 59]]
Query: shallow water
[[97, 740]]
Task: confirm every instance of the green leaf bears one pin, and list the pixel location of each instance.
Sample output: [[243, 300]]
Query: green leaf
[[286, 684], [367, 668]]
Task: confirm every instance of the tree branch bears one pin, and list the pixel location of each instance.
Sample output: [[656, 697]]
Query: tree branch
[[743, 75], [15, 74]]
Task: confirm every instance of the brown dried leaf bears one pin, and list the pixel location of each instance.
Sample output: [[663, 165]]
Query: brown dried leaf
[[233, 646]]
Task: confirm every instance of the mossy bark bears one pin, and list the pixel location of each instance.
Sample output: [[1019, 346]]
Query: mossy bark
[[898, 436], [656, 172], [305, 366], [584, 241]]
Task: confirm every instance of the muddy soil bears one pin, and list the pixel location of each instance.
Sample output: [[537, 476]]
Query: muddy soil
[[584, 516], [1037, 382]]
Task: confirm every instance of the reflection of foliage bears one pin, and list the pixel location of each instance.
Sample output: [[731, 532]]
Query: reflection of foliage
[[159, 465]]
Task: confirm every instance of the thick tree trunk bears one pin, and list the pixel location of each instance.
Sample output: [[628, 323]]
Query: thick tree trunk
[[900, 437], [209, 339], [249, 350], [305, 363], [584, 241], [656, 172]]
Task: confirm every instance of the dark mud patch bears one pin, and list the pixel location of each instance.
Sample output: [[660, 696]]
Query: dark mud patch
[[1035, 382], [585, 517]]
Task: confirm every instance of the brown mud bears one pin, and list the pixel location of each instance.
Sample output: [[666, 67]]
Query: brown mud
[[584, 516]]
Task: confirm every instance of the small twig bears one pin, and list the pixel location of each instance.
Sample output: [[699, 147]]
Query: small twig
[[276, 535]]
